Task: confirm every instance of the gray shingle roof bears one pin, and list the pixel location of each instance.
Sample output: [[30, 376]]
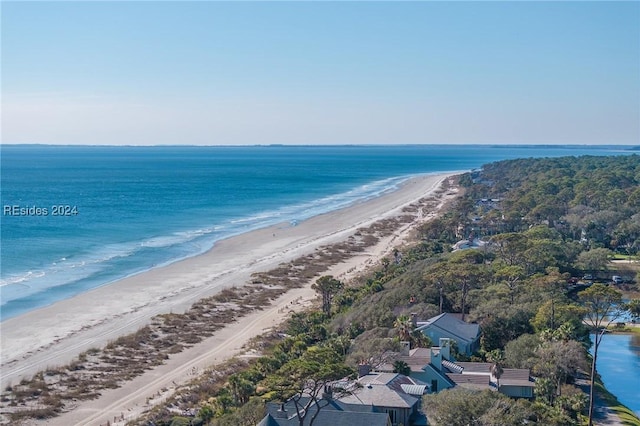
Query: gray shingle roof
[[380, 396], [331, 418], [453, 325], [476, 367], [384, 390], [478, 374], [515, 374], [470, 380], [337, 413], [516, 377], [268, 420]]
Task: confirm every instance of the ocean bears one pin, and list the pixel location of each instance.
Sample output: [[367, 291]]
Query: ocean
[[77, 217]]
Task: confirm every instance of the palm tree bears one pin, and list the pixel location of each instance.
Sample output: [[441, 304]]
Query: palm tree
[[403, 325], [496, 371], [496, 356], [401, 367]]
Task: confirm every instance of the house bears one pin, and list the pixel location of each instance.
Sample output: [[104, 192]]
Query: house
[[375, 399], [444, 372], [468, 244], [447, 326], [397, 395], [334, 413]]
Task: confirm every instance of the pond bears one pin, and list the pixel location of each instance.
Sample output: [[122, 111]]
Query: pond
[[619, 367]]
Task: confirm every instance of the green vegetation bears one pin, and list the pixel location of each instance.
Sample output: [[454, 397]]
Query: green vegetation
[[627, 416], [634, 308], [327, 286], [462, 407], [544, 222], [131, 355], [548, 223], [603, 306]]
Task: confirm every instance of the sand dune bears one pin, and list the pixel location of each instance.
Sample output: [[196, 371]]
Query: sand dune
[[54, 335]]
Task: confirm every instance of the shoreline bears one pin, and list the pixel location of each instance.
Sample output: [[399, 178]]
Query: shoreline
[[209, 244], [618, 393], [55, 334]]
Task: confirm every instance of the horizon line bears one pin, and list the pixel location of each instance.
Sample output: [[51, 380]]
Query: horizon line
[[551, 145]]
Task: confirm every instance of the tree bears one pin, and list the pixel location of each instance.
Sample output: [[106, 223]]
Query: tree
[[241, 389], [557, 360], [595, 259], [305, 381], [603, 306], [252, 412], [573, 401], [496, 357], [466, 273], [420, 340], [340, 344], [222, 402], [545, 390], [462, 407], [540, 255], [437, 275], [180, 421], [249, 414], [401, 367], [634, 308], [206, 413], [511, 277], [403, 326], [505, 411], [510, 247], [553, 314], [373, 347], [500, 328], [556, 311], [327, 286], [520, 353]]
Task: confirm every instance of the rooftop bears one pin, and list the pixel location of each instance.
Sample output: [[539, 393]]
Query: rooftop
[[474, 374], [335, 413], [387, 390], [453, 325]]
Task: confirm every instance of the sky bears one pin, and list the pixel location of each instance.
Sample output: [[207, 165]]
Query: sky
[[230, 73]]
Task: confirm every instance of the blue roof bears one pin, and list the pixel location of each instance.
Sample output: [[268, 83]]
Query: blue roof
[[338, 414], [454, 326]]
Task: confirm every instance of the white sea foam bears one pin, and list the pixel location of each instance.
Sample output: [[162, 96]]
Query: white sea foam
[[185, 243]]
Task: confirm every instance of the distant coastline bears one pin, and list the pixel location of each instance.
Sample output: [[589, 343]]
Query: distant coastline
[[632, 147], [141, 207]]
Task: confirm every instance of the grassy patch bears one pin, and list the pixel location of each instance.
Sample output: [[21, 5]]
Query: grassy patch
[[629, 257], [627, 416], [624, 329]]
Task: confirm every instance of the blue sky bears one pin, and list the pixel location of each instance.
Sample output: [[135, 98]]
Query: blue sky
[[208, 73]]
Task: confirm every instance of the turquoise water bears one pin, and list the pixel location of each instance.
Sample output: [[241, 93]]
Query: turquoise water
[[619, 367], [128, 209]]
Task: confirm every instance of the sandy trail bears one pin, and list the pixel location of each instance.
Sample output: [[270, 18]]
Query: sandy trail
[[56, 334]]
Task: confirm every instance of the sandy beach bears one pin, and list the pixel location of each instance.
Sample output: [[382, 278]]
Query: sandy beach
[[54, 335]]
